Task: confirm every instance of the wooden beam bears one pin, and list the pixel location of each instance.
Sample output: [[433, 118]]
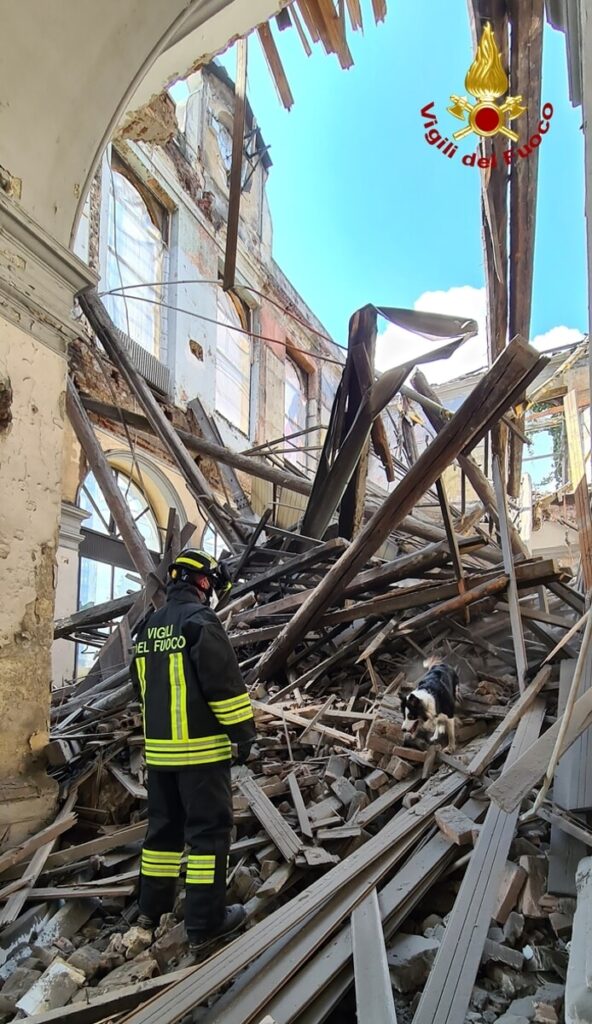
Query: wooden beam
[[236, 166], [29, 846], [200, 446], [95, 616], [374, 991], [517, 364], [106, 331], [452, 542], [361, 354], [494, 204], [579, 483], [208, 978], [473, 472], [299, 806], [447, 992], [526, 58], [278, 830], [491, 746], [512, 592], [516, 782], [17, 901], [105, 477], [274, 63]]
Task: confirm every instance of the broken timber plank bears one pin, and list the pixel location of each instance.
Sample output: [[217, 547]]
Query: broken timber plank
[[294, 565], [16, 902], [105, 476], [512, 371], [361, 353], [181, 998], [469, 466], [518, 779], [512, 592], [236, 166], [275, 66], [573, 783], [256, 467], [374, 991], [397, 899], [579, 483], [29, 846], [300, 806], [489, 749], [278, 830], [447, 992]]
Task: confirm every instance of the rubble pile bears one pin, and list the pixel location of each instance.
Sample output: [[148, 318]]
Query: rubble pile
[[357, 846]]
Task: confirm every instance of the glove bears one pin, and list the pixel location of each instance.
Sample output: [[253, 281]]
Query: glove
[[242, 752]]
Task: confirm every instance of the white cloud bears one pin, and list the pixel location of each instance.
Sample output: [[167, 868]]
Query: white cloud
[[395, 345]]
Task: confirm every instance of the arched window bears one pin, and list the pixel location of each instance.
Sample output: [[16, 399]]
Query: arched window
[[106, 570], [233, 362], [136, 255], [211, 541], [295, 401]]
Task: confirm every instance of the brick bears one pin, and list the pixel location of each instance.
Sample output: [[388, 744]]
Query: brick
[[344, 791], [455, 825], [511, 886], [376, 779], [336, 767], [379, 744], [496, 953], [399, 769], [535, 886], [53, 989]]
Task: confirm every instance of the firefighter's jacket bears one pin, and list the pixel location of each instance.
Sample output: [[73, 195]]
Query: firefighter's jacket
[[186, 674]]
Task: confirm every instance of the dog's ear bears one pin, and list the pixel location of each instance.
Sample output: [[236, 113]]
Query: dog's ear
[[403, 701]]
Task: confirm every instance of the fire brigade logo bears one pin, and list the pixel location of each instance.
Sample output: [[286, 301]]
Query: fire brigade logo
[[486, 80]]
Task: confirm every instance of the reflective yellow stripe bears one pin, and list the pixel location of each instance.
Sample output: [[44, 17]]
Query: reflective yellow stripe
[[199, 750], [161, 863], [196, 565], [232, 704], [167, 856], [234, 717], [182, 760], [201, 859], [196, 743], [153, 872], [141, 670], [178, 687]]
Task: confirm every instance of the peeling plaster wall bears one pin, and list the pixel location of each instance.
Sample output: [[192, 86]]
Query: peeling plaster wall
[[30, 456]]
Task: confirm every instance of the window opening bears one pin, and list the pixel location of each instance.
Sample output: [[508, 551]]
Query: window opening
[[295, 411], [233, 362], [136, 254], [101, 578]]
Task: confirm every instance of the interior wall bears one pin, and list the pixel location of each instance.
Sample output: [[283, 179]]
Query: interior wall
[[30, 455]]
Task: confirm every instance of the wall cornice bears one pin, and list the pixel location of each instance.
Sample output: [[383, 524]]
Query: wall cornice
[[38, 279]]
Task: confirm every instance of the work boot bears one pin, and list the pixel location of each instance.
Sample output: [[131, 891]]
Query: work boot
[[146, 922], [234, 918]]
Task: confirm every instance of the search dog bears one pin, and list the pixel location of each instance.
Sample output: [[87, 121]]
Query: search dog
[[431, 705]]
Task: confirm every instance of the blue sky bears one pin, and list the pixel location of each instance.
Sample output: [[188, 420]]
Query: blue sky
[[365, 211]]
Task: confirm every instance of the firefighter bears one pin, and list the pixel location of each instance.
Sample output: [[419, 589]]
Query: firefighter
[[194, 705]]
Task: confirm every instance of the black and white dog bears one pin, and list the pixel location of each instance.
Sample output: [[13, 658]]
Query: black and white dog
[[430, 706]]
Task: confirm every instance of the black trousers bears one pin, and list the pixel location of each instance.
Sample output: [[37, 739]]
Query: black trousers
[[190, 807]]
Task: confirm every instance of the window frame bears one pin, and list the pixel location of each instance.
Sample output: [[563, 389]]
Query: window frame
[[242, 423], [118, 267]]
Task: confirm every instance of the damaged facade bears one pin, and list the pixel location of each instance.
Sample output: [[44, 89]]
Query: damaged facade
[[156, 213], [369, 531]]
